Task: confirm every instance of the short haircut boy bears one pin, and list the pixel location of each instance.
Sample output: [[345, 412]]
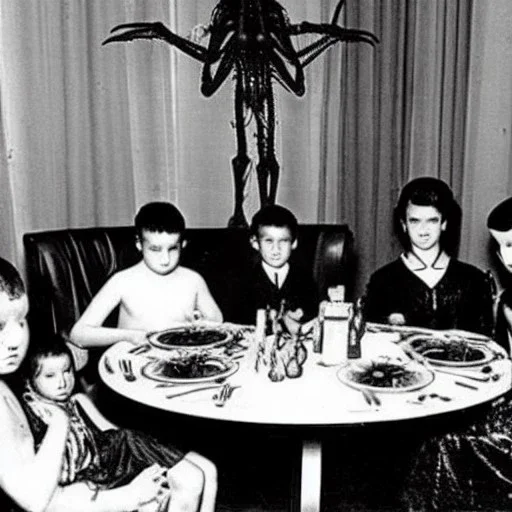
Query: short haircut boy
[[10, 280], [277, 216], [159, 217]]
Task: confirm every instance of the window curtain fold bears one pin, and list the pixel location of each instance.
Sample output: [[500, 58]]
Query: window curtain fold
[[89, 132], [392, 114], [87, 128]]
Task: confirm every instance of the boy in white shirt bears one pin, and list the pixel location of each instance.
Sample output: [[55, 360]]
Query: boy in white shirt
[[152, 294], [277, 277]]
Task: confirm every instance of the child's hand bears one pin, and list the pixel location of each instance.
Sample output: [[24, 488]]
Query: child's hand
[[51, 414], [150, 484], [139, 338], [194, 316], [292, 320], [396, 319]]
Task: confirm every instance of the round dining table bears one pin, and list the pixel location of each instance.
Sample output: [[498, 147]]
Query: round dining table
[[319, 397]]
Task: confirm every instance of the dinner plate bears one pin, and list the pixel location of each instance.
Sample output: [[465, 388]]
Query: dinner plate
[[376, 376], [189, 337], [450, 352], [173, 371]]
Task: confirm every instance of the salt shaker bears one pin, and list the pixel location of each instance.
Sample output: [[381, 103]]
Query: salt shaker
[[334, 315]]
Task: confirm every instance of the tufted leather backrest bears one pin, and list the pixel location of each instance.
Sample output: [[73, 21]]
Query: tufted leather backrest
[[66, 268]]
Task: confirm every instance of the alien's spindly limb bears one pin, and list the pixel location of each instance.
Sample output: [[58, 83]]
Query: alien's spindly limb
[[268, 168], [240, 162], [342, 34], [155, 30]]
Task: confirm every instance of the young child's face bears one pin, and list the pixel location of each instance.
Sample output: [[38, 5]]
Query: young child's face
[[55, 378], [13, 332], [275, 244], [424, 225], [161, 252], [504, 241]]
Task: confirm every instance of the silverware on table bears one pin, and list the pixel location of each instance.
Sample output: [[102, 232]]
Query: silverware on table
[[371, 398], [466, 385], [224, 394], [193, 390], [108, 366], [126, 368], [218, 380], [472, 376], [139, 349]]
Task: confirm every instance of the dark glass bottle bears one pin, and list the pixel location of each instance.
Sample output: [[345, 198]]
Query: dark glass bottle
[[356, 329]]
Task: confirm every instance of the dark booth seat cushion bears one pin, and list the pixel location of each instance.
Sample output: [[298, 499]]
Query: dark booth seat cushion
[[66, 268]]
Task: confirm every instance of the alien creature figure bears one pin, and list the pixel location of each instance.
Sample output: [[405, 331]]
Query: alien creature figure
[[251, 39]]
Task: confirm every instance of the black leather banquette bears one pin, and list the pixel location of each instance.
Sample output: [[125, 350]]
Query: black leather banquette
[[65, 268]]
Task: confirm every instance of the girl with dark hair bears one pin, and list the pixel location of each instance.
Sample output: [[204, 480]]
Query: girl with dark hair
[[470, 468], [426, 286], [108, 459]]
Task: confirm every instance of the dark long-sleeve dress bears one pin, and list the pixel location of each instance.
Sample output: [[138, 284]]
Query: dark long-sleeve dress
[[456, 467], [462, 299]]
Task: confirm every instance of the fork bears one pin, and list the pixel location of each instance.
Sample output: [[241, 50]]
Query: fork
[[371, 398], [126, 368], [224, 394]]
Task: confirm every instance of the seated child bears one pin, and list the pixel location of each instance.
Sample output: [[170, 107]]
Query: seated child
[[499, 224], [425, 286], [275, 277], [471, 469], [154, 293], [110, 458], [29, 478]]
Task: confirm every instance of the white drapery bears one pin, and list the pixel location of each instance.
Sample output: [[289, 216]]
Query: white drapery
[[91, 132]]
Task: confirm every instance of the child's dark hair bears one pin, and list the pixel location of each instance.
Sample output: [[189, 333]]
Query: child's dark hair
[[159, 217], [277, 216], [53, 347], [500, 217], [427, 191], [10, 280]]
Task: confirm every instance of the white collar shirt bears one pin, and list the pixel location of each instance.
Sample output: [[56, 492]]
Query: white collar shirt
[[276, 275]]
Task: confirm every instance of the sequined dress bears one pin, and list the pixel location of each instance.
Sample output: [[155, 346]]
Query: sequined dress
[[467, 468]]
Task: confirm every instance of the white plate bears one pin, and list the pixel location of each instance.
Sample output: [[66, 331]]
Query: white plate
[[348, 375], [224, 368], [189, 337], [480, 353]]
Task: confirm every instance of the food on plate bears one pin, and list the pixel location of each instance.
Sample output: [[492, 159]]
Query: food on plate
[[447, 350], [193, 336], [192, 366], [384, 374]]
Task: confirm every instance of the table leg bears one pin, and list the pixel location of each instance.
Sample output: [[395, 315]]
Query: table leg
[[311, 476]]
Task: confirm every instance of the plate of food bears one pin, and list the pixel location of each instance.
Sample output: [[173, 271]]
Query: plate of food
[[190, 368], [385, 375], [193, 336], [449, 351]]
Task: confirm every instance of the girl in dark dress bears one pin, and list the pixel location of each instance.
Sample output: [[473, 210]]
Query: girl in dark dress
[[471, 468], [426, 286], [111, 458]]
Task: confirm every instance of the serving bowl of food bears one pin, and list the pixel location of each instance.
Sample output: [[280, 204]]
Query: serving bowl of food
[[193, 336], [386, 375], [193, 367], [449, 351]]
